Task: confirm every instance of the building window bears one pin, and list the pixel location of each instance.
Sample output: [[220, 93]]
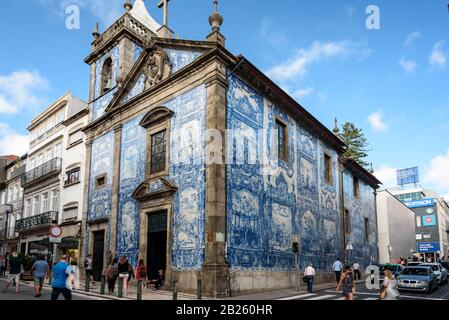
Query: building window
[[106, 76], [28, 208], [40, 160], [36, 206], [55, 200], [48, 155], [100, 181], [347, 222], [158, 152], [75, 137], [281, 140], [356, 184], [73, 177], [10, 194], [328, 176], [366, 229], [45, 202], [59, 117], [58, 150], [16, 192]]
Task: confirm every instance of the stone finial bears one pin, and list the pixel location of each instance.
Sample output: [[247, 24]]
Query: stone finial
[[216, 19], [128, 5], [336, 129], [96, 32]]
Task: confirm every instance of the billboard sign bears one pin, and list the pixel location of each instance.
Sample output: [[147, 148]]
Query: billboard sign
[[407, 176], [429, 247], [421, 203], [429, 221]]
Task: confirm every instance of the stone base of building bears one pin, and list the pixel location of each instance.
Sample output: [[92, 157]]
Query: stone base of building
[[251, 282]]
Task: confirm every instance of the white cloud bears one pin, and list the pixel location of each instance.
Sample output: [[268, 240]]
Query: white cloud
[[411, 37], [437, 172], [12, 142], [298, 65], [273, 35], [408, 65], [387, 175], [20, 90], [438, 58], [376, 121], [303, 93]]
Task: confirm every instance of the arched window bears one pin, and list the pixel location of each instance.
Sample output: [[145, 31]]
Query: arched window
[[106, 76]]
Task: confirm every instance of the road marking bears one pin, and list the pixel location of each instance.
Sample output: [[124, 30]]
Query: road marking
[[371, 299], [323, 297], [402, 296], [342, 298], [299, 297]]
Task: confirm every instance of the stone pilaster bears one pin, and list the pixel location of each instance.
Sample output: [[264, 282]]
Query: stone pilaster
[[126, 58], [115, 188], [85, 200], [341, 191], [215, 269]]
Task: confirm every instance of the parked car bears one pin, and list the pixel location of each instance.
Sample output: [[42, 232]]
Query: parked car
[[445, 264], [396, 269], [439, 270], [418, 278], [413, 264]]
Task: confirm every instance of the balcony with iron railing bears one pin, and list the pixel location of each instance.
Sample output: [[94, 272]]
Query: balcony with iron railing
[[38, 221], [45, 170]]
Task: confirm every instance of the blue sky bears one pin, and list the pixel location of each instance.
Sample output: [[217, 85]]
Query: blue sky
[[392, 82]]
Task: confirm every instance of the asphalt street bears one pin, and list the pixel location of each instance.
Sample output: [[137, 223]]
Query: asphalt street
[[27, 293], [362, 293]]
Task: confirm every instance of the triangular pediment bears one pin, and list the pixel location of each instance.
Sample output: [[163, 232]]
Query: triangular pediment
[[154, 188], [161, 59]]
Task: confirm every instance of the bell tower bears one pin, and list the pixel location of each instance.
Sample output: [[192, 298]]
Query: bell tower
[[116, 49]]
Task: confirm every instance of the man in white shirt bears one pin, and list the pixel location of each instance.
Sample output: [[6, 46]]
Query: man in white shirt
[[309, 275], [337, 267], [356, 267]]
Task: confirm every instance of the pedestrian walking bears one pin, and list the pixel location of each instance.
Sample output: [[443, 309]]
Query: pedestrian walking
[[347, 284], [337, 267], [357, 274], [389, 289], [2, 266], [15, 270], [40, 270], [141, 273], [123, 272], [309, 275], [88, 269], [63, 279], [112, 275]]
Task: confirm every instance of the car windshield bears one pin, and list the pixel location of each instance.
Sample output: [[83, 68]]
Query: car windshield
[[434, 267], [415, 271], [387, 267]]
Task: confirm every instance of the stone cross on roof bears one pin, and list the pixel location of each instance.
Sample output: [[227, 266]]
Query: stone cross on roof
[[164, 3]]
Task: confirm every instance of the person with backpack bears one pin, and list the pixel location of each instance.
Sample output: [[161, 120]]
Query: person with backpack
[[112, 275], [15, 270], [141, 273], [347, 283], [88, 269]]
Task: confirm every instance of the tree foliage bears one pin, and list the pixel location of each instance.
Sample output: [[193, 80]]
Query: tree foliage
[[357, 144]]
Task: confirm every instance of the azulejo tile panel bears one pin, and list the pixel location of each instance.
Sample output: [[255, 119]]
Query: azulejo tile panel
[[266, 209], [137, 89], [181, 58], [102, 163], [132, 173], [100, 105]]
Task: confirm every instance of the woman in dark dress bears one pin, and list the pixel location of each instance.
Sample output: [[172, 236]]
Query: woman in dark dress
[[347, 284]]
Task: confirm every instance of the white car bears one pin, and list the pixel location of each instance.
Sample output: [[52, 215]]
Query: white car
[[439, 270]]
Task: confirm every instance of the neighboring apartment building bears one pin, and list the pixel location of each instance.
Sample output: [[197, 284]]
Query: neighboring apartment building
[[14, 171], [72, 183], [5, 207], [396, 227], [431, 219], [41, 182]]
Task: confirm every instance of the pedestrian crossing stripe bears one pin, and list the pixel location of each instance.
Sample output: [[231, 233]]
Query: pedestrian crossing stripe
[[299, 297], [322, 297]]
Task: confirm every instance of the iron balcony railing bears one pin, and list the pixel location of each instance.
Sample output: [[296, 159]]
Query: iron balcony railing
[[52, 166], [37, 221]]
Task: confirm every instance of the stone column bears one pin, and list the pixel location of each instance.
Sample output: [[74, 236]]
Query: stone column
[[215, 269], [115, 189], [85, 204]]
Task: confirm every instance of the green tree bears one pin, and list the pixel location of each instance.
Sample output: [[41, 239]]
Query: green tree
[[356, 142]]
